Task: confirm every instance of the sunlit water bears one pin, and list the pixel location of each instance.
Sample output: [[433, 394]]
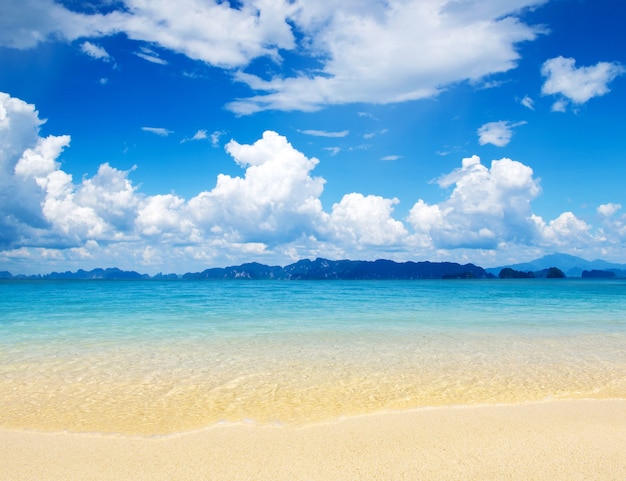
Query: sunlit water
[[154, 357]]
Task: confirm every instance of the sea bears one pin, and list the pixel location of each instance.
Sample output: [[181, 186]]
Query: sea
[[152, 357]]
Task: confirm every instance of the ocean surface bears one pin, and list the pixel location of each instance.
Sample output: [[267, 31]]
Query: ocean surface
[[156, 357]]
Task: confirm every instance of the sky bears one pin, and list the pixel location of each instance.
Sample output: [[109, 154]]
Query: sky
[[163, 136]]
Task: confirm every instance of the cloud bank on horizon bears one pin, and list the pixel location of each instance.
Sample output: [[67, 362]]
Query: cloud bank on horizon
[[272, 210], [304, 57]]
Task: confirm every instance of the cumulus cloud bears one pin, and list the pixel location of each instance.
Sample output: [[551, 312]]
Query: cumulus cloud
[[272, 212], [366, 220], [41, 205], [565, 230], [613, 229], [276, 197], [39, 161], [272, 209], [490, 208], [607, 210], [487, 206], [112, 197], [577, 85], [22, 150], [497, 133], [162, 215]]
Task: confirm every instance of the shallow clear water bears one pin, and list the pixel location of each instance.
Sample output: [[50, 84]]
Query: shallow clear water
[[162, 356]]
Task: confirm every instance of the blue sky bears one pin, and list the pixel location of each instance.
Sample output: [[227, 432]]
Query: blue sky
[[173, 136]]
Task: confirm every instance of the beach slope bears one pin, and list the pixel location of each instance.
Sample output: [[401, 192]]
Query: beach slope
[[557, 440]]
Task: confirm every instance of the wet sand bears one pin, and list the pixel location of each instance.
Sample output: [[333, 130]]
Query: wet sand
[[555, 440]]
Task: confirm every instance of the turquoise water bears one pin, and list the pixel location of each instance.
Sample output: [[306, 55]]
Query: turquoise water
[[162, 356]]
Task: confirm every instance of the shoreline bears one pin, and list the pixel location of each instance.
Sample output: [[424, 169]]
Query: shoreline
[[546, 440]]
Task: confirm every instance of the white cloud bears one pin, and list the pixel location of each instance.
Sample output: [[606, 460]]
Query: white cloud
[[565, 230], [160, 131], [366, 221], [40, 160], [23, 156], [215, 137], [371, 135], [211, 31], [358, 51], [151, 56], [95, 51], [391, 157], [41, 205], [333, 150], [497, 133], [111, 195], [427, 218], [486, 207], [370, 55], [613, 228], [577, 85], [559, 106], [367, 115], [71, 222], [27, 23], [272, 212], [323, 133], [275, 198], [19, 127], [199, 135], [162, 214], [607, 210], [528, 102]]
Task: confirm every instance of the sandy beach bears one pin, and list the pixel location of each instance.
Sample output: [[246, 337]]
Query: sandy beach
[[555, 440]]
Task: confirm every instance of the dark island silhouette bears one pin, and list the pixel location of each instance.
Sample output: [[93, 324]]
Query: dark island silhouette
[[382, 269], [549, 273], [320, 269]]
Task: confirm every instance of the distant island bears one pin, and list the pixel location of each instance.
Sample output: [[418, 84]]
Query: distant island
[[549, 273], [319, 269], [109, 274], [571, 266], [382, 269], [346, 269]]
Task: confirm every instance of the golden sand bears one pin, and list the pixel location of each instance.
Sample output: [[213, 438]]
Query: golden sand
[[556, 440], [165, 389]]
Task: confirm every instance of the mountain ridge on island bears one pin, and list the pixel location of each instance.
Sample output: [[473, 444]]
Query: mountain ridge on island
[[381, 269], [572, 266], [306, 269], [324, 269]]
